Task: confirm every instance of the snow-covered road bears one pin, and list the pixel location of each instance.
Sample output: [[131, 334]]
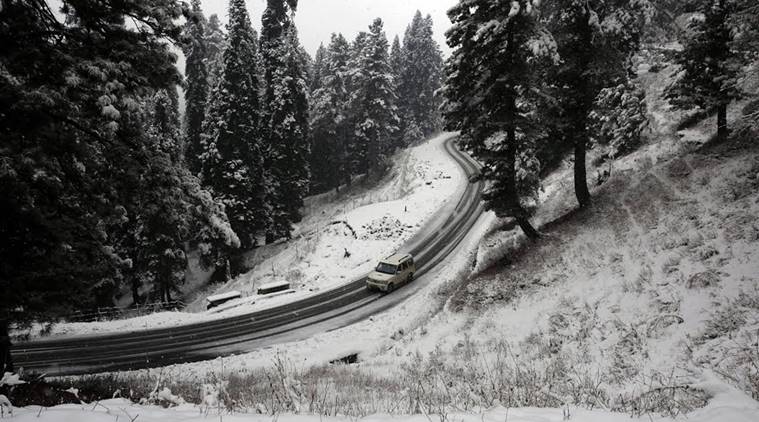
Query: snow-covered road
[[325, 311], [422, 186]]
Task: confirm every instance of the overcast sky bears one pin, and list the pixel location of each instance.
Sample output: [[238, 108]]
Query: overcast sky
[[318, 19]]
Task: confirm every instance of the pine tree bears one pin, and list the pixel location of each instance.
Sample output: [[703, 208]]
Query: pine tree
[[317, 72], [168, 210], [420, 76], [161, 217], [396, 59], [215, 43], [288, 138], [596, 41], [711, 63], [373, 100], [65, 88], [196, 86], [490, 96], [412, 133], [274, 23], [329, 123], [232, 159], [618, 118], [396, 64], [745, 21], [281, 62]]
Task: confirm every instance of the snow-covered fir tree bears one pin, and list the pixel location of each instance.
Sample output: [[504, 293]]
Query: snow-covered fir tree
[[396, 59], [372, 102], [274, 23], [596, 41], [329, 123], [618, 119], [711, 63], [215, 44], [288, 144], [318, 69], [489, 96], [196, 86], [65, 88], [232, 158], [161, 215], [396, 65], [284, 75], [167, 211], [420, 76], [745, 22]]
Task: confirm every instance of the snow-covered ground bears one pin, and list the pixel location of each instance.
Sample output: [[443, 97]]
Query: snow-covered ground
[[727, 406], [369, 222], [645, 304]]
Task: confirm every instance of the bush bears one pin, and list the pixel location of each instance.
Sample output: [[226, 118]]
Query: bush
[[619, 118]]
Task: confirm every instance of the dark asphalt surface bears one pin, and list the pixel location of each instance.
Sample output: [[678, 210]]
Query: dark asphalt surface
[[333, 309]]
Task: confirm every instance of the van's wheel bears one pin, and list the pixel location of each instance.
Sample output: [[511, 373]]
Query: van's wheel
[[390, 287], [410, 277]]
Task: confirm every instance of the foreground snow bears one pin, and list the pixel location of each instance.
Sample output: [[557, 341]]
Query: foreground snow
[[727, 406]]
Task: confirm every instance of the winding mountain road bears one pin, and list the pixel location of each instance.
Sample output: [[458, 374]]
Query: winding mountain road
[[300, 319]]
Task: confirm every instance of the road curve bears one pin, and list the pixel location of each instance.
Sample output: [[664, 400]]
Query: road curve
[[325, 311]]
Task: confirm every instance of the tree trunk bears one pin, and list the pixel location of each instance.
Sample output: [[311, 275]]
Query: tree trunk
[[6, 362], [235, 265], [516, 207], [722, 130], [581, 182], [135, 291]]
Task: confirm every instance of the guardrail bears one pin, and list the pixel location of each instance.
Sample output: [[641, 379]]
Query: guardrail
[[110, 313]]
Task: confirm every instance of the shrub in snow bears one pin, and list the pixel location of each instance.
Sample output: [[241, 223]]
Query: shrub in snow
[[11, 379], [164, 398], [703, 279], [210, 395], [618, 118]]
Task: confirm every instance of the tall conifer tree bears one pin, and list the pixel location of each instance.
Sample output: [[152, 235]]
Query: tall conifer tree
[[65, 89], [420, 76], [232, 159], [318, 69], [288, 138], [711, 62], [196, 86], [490, 91], [216, 43], [329, 123], [596, 40], [373, 100], [396, 59]]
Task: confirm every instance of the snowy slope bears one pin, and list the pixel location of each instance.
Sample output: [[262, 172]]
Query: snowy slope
[[370, 222], [645, 304]]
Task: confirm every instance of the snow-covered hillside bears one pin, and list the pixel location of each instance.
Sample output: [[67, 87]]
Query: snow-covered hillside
[[644, 307], [369, 222], [645, 304]]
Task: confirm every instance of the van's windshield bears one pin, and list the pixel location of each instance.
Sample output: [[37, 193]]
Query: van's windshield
[[386, 268]]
